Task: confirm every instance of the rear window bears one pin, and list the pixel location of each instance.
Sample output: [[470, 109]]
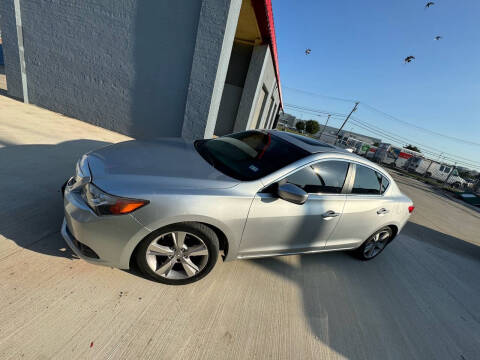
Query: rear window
[[249, 155]]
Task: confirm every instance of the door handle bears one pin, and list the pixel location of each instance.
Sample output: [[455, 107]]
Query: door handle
[[382, 211], [330, 214]]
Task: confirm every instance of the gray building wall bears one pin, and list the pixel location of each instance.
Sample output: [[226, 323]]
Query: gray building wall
[[143, 68], [121, 64], [261, 75], [233, 90], [213, 47], [10, 48]]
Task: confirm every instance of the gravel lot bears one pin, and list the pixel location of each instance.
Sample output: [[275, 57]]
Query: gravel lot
[[420, 299]]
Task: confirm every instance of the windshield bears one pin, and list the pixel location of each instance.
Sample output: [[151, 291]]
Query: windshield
[[249, 155]]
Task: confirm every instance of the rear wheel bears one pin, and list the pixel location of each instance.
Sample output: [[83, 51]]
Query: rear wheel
[[178, 254], [375, 244]]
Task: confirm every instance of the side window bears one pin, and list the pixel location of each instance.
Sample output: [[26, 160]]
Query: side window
[[367, 181], [326, 177], [442, 168], [385, 184]]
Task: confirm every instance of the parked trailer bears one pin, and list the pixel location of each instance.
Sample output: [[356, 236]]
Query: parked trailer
[[395, 156]]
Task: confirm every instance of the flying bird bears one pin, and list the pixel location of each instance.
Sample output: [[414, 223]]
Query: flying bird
[[409, 59], [308, 51], [430, 3], [438, 37]]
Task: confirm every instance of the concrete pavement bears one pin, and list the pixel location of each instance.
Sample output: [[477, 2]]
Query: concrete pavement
[[420, 299]]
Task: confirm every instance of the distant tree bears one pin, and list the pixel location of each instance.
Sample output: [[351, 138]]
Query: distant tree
[[312, 127], [300, 125], [376, 144], [412, 147]]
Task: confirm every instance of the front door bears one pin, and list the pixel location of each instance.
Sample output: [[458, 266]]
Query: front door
[[276, 226]]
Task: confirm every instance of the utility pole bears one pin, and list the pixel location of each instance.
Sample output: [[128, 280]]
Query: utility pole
[[348, 117], [324, 126]]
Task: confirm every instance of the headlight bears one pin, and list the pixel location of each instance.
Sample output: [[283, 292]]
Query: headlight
[[106, 204], [82, 174], [82, 169]]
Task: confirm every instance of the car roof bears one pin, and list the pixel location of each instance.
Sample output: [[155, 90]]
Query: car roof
[[311, 145]]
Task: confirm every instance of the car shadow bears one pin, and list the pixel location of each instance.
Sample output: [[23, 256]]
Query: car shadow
[[372, 309], [31, 205]]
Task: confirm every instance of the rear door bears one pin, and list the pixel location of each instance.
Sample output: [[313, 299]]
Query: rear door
[[366, 209], [276, 226]]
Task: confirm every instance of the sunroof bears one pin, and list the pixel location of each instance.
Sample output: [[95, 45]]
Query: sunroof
[[310, 141]]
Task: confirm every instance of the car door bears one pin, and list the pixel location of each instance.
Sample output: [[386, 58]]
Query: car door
[[276, 226], [366, 209]]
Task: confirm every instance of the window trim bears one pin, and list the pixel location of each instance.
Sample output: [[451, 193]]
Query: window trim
[[373, 169], [346, 184]]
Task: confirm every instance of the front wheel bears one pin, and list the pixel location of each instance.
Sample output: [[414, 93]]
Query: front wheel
[[178, 254], [375, 244]]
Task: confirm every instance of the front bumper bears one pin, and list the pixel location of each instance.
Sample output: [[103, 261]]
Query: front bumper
[[102, 240]]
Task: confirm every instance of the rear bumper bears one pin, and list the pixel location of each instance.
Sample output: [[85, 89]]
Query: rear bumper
[[101, 240]]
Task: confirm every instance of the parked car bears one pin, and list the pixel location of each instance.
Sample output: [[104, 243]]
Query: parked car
[[469, 197], [171, 206]]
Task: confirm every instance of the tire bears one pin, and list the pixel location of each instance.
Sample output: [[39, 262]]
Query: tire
[[367, 252], [159, 257]]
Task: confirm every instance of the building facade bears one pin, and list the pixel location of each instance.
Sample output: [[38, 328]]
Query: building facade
[[146, 69]]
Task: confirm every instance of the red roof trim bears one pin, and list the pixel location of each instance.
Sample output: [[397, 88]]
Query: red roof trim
[[264, 14]]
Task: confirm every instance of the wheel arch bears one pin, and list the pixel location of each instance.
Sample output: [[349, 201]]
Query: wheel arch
[[394, 230], [224, 237]]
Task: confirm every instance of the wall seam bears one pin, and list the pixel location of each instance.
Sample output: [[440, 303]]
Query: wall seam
[[21, 50]]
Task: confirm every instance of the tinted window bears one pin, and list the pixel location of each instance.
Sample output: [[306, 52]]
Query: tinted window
[[325, 177], [249, 155], [367, 181], [385, 184]]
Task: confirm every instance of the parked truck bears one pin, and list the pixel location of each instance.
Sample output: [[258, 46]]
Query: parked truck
[[372, 150], [435, 170], [393, 155]]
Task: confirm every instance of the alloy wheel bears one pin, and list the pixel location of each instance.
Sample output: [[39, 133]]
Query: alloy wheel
[[177, 255], [376, 244]]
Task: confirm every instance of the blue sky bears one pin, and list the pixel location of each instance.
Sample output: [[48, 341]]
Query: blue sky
[[358, 49]]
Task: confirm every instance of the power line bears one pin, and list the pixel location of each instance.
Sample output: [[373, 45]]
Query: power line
[[381, 132], [323, 112], [421, 128], [320, 95], [413, 142], [401, 142], [389, 116]]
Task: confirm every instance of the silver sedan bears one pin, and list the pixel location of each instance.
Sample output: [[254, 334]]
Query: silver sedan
[[172, 207]]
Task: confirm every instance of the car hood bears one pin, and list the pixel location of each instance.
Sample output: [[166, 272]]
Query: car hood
[[170, 163]]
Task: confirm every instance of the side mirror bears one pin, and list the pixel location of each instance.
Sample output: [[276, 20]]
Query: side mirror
[[292, 193]]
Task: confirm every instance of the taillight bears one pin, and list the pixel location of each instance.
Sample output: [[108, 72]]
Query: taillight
[[411, 208]]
